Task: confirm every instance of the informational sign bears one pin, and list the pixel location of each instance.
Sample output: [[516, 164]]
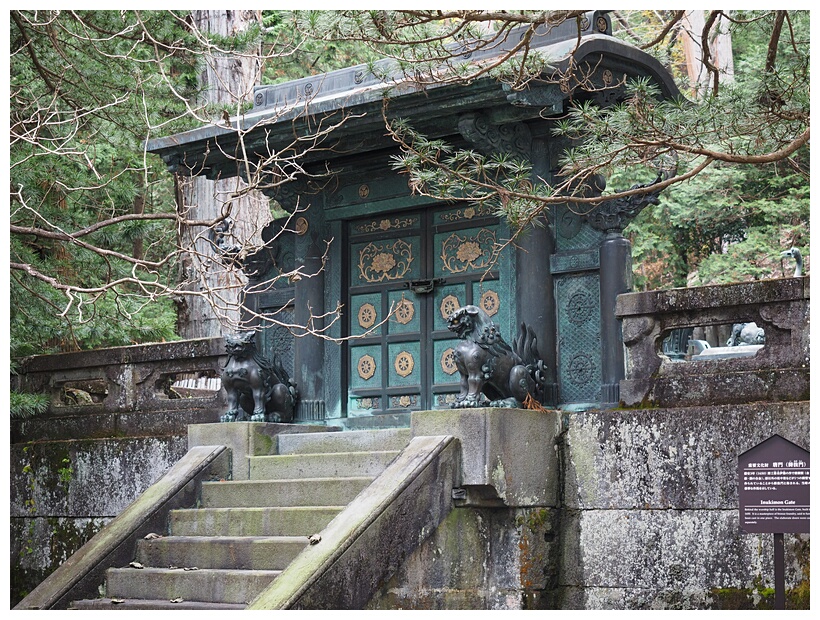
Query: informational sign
[[773, 488]]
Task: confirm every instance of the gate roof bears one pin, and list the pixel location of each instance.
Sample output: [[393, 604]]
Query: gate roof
[[356, 96]]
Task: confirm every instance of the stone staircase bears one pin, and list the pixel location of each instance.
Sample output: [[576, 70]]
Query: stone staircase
[[222, 554]]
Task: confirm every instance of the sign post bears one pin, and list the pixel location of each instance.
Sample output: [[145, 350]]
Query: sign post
[[773, 497]]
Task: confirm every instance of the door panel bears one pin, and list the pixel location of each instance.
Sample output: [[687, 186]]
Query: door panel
[[402, 357]]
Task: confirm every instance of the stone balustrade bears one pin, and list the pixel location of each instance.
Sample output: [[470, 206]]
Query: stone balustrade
[[779, 371], [123, 391]]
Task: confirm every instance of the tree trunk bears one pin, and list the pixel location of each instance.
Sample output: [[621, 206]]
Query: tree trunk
[[723, 50], [227, 81], [720, 51], [693, 24]]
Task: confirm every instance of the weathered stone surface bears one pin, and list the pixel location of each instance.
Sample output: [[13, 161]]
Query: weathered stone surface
[[245, 439], [119, 379], [677, 560], [480, 558], [652, 516], [63, 492], [508, 453], [370, 539], [62, 425], [79, 576], [39, 545], [67, 479], [668, 458], [723, 296]]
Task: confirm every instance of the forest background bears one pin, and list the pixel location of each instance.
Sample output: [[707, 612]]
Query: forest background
[[97, 226]]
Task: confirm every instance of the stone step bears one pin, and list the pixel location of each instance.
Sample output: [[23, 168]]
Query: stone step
[[345, 441], [320, 465], [376, 422], [239, 552], [293, 492], [287, 521], [108, 604], [208, 585]]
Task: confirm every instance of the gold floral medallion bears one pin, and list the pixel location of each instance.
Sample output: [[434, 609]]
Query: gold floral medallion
[[448, 361], [449, 305], [301, 226], [490, 303], [385, 261], [405, 311]]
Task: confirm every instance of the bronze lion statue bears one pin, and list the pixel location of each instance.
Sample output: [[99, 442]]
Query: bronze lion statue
[[493, 373], [254, 385]]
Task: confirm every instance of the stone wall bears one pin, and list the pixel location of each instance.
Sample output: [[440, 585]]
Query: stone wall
[[647, 518], [638, 509], [63, 492], [647, 515], [650, 509]]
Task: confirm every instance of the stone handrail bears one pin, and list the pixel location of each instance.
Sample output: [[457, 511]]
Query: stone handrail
[[779, 371], [369, 539]]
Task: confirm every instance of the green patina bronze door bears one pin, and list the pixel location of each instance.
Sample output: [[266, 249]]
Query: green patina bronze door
[[407, 272]]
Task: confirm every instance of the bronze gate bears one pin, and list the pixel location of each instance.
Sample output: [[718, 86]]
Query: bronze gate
[[407, 272]]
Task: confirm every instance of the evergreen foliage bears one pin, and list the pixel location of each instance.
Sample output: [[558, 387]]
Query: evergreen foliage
[[730, 222], [86, 90]]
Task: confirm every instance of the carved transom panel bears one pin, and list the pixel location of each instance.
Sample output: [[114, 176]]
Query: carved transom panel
[[384, 224], [366, 367], [445, 400], [405, 400], [467, 213], [404, 364], [369, 403]]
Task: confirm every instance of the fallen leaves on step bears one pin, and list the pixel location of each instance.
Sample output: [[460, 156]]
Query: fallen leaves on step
[[177, 600], [136, 565], [117, 601], [190, 568], [152, 536], [314, 539]]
